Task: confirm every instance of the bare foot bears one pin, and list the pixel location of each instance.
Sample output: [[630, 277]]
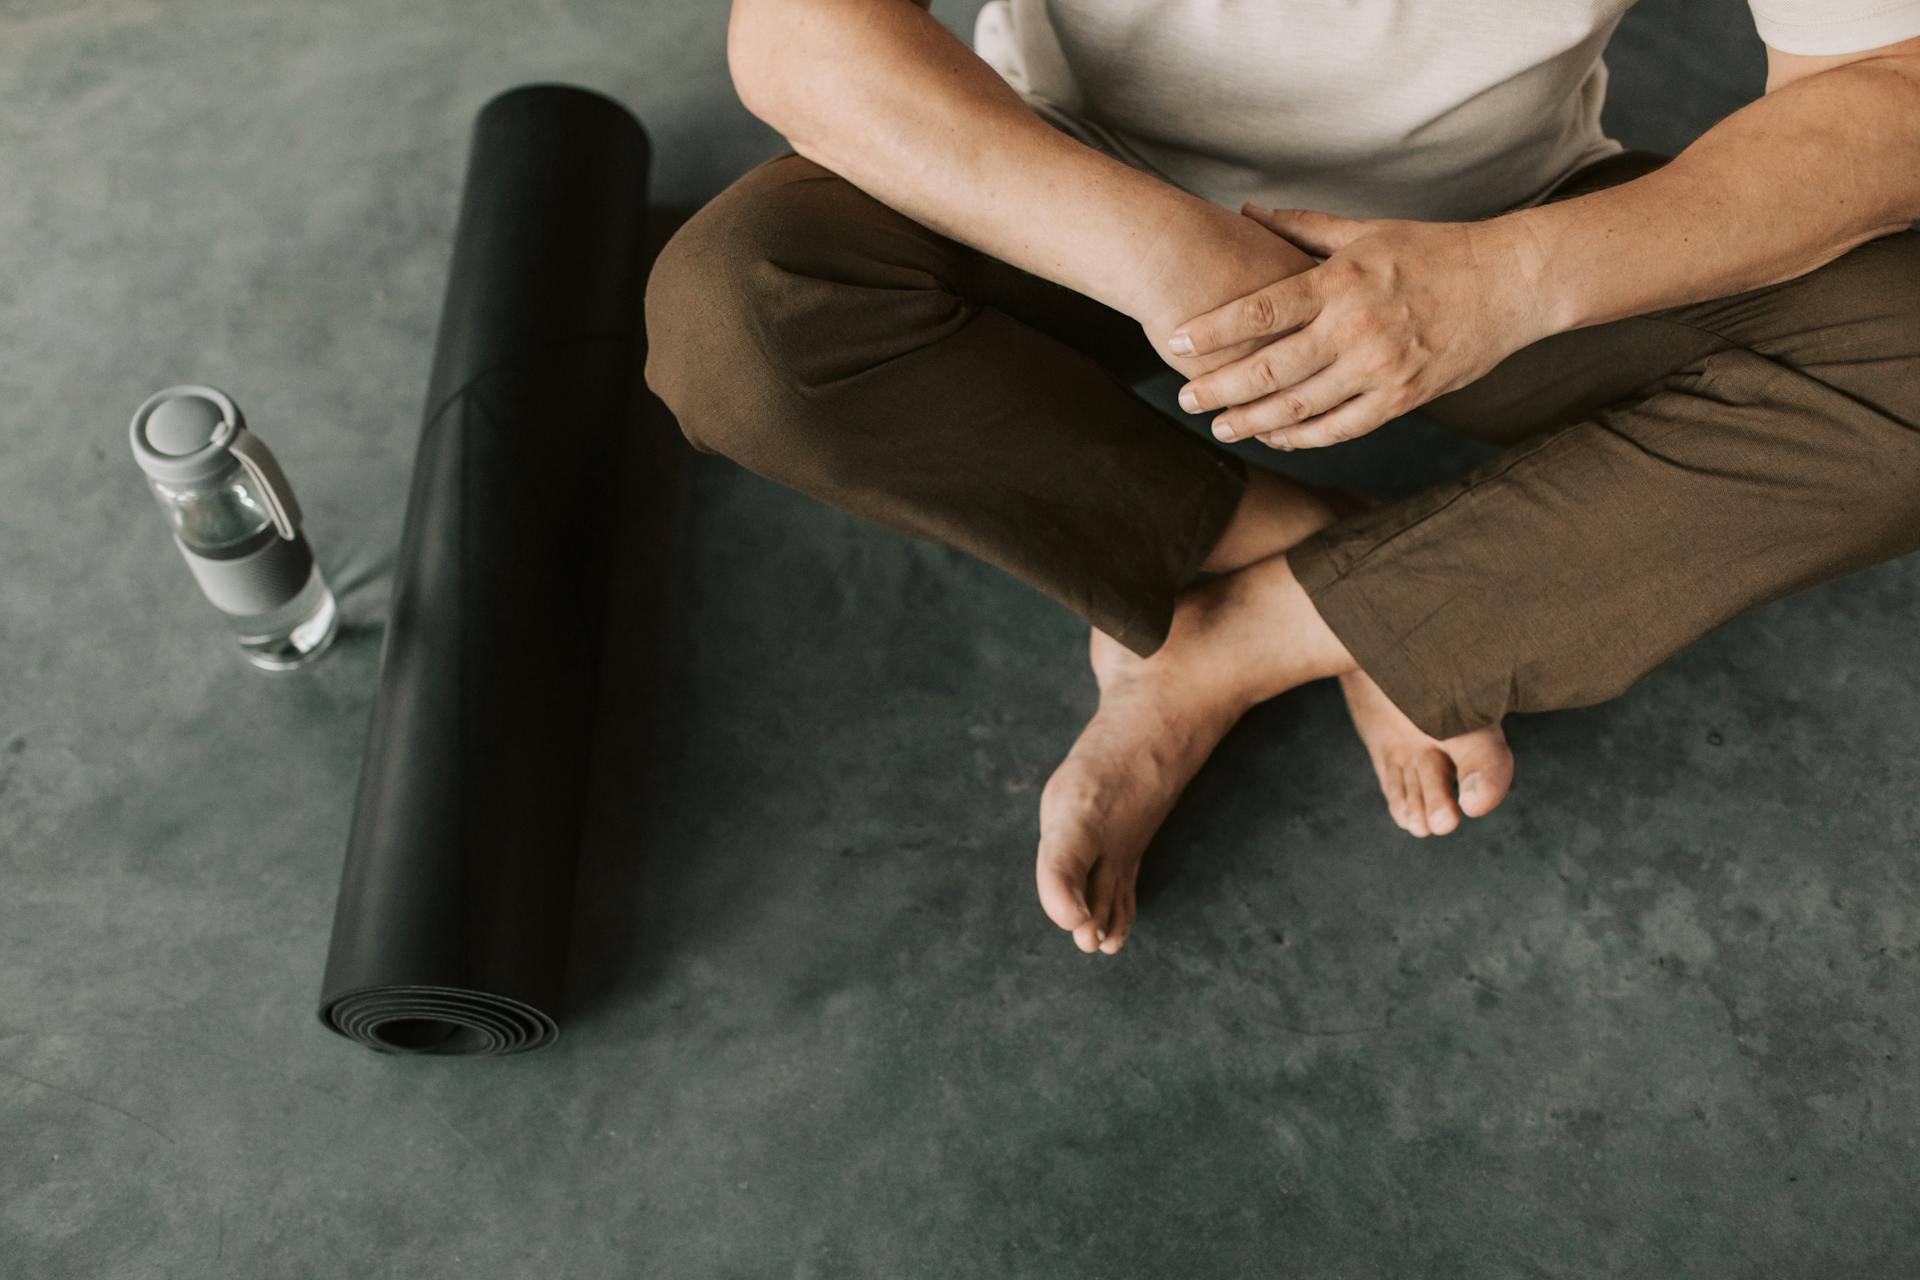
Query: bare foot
[[1235, 641], [1153, 731], [1417, 773]]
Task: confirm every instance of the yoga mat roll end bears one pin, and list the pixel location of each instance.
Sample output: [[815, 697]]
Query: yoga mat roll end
[[444, 1020]]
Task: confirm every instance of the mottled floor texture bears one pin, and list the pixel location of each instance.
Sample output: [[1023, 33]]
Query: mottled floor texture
[[1659, 1017]]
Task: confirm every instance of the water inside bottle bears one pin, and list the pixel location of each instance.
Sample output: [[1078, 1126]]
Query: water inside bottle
[[295, 633]]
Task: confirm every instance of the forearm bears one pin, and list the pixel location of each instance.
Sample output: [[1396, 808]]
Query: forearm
[[882, 94], [1784, 185]]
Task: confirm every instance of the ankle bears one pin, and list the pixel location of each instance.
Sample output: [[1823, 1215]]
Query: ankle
[[1252, 634], [1274, 514]]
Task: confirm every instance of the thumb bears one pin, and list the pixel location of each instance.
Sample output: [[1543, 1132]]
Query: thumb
[[1321, 234]]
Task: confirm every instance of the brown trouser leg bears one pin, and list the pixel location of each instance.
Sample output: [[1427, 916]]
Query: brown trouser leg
[[1667, 471], [826, 341], [1672, 470]]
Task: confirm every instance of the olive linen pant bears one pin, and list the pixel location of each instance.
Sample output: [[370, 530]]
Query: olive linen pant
[[1664, 472]]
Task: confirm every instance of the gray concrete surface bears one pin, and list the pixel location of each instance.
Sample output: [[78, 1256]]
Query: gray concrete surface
[[1659, 1017]]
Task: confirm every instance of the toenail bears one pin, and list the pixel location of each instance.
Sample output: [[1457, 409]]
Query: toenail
[[1469, 782], [1437, 819], [1099, 935]]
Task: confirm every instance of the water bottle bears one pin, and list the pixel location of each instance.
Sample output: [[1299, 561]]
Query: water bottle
[[235, 520]]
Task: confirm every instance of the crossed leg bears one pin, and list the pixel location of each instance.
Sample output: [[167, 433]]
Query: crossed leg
[[1235, 641], [1669, 472]]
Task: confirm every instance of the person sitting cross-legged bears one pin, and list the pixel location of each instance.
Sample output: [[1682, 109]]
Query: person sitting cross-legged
[[1704, 369]]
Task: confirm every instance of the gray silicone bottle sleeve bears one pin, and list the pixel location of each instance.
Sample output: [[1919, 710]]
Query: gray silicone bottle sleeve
[[261, 580]]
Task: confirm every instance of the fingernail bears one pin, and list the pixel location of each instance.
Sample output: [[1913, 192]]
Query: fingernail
[[1469, 782], [1189, 401], [1222, 430], [1180, 344]]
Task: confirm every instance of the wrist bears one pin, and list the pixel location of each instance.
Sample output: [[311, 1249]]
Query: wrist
[[1180, 242], [1202, 257], [1544, 303]]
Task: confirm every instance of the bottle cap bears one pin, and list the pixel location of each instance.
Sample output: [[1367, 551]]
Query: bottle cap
[[183, 433], [193, 432]]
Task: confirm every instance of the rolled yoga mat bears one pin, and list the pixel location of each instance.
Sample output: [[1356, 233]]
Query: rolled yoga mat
[[451, 929]]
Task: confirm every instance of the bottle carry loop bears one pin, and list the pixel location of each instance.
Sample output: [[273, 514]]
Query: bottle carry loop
[[264, 470]]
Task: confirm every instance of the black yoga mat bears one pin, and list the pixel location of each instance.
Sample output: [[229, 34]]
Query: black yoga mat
[[451, 929]]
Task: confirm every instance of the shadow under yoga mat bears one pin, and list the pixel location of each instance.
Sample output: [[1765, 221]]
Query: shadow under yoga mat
[[451, 929]]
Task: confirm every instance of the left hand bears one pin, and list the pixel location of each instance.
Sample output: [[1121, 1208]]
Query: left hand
[[1398, 313]]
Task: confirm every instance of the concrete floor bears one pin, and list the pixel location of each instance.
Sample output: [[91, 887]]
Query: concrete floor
[[1659, 1017]]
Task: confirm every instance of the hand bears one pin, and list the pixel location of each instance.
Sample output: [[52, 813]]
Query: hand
[[1211, 256], [1398, 313]]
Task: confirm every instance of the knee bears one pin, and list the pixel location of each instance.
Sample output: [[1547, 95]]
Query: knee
[[1857, 328], [701, 357], [782, 286]]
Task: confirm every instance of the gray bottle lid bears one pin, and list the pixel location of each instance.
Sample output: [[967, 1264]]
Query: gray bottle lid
[[194, 432]]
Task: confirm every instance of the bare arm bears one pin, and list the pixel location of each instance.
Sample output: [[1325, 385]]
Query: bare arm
[[882, 94], [1829, 158], [1402, 311]]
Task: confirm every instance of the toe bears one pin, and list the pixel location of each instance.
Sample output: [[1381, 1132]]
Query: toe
[[1436, 788], [1091, 929], [1103, 896], [1484, 764], [1389, 774], [1120, 923], [1416, 809], [1062, 881]]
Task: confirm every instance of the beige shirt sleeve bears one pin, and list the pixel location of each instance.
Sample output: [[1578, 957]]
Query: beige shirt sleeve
[[1835, 26]]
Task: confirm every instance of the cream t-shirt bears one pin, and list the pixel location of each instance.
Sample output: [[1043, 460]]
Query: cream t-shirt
[[1442, 109]]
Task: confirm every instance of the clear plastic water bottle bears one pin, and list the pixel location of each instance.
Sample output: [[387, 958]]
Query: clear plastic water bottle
[[235, 520]]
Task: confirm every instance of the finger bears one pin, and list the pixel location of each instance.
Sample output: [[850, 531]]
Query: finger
[[1273, 367], [1348, 421], [1323, 392], [1278, 308], [1321, 234]]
